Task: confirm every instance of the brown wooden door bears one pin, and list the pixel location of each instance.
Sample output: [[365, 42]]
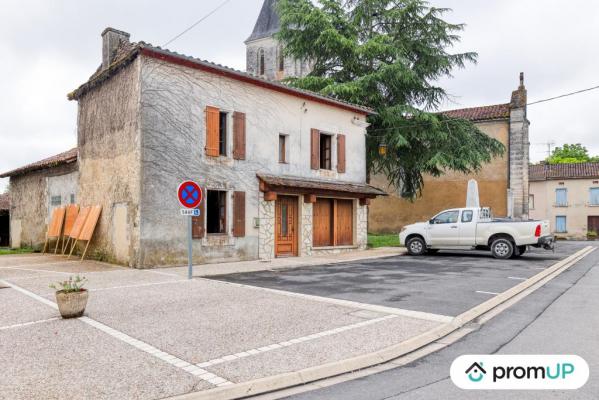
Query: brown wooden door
[[593, 224], [286, 226], [322, 223], [344, 222]]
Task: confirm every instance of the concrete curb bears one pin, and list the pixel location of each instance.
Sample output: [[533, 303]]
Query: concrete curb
[[304, 376]]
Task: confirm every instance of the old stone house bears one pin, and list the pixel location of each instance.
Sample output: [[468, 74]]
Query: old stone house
[[503, 183], [36, 189], [283, 170], [568, 196]]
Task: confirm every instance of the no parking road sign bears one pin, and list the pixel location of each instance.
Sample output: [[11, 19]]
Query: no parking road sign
[[190, 194]]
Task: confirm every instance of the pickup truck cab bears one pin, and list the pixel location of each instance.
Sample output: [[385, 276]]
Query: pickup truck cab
[[476, 229]]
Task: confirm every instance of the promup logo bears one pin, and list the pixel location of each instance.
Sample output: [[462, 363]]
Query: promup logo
[[522, 372], [476, 372]]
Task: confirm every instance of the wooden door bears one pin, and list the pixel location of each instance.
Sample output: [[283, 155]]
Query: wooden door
[[593, 224], [344, 222], [286, 226], [322, 223]]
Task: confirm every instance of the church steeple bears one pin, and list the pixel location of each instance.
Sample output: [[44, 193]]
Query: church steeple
[[265, 54], [268, 22]]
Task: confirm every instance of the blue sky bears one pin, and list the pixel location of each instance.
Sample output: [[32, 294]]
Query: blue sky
[[51, 47]]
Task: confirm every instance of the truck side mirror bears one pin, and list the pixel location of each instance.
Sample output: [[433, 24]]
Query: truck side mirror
[[432, 222]]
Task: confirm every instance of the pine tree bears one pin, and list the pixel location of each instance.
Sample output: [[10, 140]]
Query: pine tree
[[388, 55]]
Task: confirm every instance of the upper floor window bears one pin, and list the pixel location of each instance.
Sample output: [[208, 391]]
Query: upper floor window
[[325, 151], [222, 134], [561, 197], [594, 196], [72, 198], [283, 149], [261, 62], [281, 59], [55, 201]]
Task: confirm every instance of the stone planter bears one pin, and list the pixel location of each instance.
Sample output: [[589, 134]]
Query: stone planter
[[72, 305]]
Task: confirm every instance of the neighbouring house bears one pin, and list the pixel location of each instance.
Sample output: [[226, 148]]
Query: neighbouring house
[[568, 196], [283, 170], [35, 190], [4, 220], [503, 183]]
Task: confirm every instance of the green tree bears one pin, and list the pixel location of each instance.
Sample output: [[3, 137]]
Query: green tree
[[570, 153], [388, 55]]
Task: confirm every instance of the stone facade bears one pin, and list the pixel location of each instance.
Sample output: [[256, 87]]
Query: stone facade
[[306, 228], [519, 149]]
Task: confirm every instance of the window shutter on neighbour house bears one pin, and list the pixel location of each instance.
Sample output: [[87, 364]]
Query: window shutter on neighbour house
[[315, 149], [197, 223], [212, 131], [239, 214], [238, 135], [341, 153]]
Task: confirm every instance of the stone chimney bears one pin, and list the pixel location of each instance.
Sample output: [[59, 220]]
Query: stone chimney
[[110, 42], [519, 151]]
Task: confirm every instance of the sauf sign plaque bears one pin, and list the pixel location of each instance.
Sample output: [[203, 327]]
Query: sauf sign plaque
[[190, 196]]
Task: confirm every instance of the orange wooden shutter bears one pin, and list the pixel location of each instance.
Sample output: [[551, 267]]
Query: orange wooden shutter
[[341, 153], [315, 149], [212, 128], [197, 223], [238, 135], [239, 214]]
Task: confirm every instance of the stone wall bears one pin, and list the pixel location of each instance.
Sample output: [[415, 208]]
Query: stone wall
[[307, 230], [266, 215], [272, 49], [519, 161], [110, 164], [30, 209]]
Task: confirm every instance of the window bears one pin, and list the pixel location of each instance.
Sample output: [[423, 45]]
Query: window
[[261, 69], [448, 217], [281, 59], [282, 149], [325, 151], [72, 198], [561, 197], [560, 224], [55, 201], [467, 215], [222, 134], [216, 212], [531, 201], [594, 197]]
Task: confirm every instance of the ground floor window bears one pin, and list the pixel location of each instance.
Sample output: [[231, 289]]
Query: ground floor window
[[333, 222], [55, 201], [560, 224], [216, 211]]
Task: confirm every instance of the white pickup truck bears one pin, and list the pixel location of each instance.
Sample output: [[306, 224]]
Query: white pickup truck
[[476, 229]]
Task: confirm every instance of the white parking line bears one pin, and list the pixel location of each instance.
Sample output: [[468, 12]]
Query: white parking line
[[291, 342], [145, 347], [139, 285], [39, 270], [517, 278], [483, 292], [41, 321]]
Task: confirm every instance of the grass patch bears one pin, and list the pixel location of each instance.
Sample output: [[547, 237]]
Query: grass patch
[[23, 250], [386, 240]]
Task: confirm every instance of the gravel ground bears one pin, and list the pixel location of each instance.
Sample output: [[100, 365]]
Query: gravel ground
[[70, 360], [19, 309]]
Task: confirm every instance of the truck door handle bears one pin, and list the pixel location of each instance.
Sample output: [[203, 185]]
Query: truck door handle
[[454, 227]]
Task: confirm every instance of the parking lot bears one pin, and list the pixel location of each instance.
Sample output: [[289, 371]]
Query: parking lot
[[447, 283]]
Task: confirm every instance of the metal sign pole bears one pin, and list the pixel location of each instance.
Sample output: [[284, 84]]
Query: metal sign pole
[[189, 249]]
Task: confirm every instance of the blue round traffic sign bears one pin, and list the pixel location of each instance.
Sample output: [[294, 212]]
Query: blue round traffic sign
[[190, 194]]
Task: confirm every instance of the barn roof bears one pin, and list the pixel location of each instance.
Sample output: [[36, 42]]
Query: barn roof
[[67, 157], [482, 113]]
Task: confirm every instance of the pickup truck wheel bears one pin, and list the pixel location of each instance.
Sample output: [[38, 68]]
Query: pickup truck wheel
[[416, 246], [502, 248]]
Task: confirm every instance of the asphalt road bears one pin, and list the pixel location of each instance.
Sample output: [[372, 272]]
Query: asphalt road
[[447, 283], [559, 318]]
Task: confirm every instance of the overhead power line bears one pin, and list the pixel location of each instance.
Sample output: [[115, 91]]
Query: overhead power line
[[564, 95], [197, 23]]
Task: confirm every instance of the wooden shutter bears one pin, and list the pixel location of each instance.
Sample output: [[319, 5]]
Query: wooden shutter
[[239, 214], [341, 153], [238, 135], [315, 149], [197, 223], [212, 131]]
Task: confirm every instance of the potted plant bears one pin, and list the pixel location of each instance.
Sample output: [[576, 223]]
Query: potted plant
[[592, 235], [71, 297]]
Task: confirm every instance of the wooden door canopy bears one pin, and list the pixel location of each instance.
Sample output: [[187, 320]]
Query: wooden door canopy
[[294, 185]]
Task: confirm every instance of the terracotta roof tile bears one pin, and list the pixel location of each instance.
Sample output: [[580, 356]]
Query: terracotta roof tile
[[543, 172], [4, 202], [54, 161], [493, 112], [314, 184]]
